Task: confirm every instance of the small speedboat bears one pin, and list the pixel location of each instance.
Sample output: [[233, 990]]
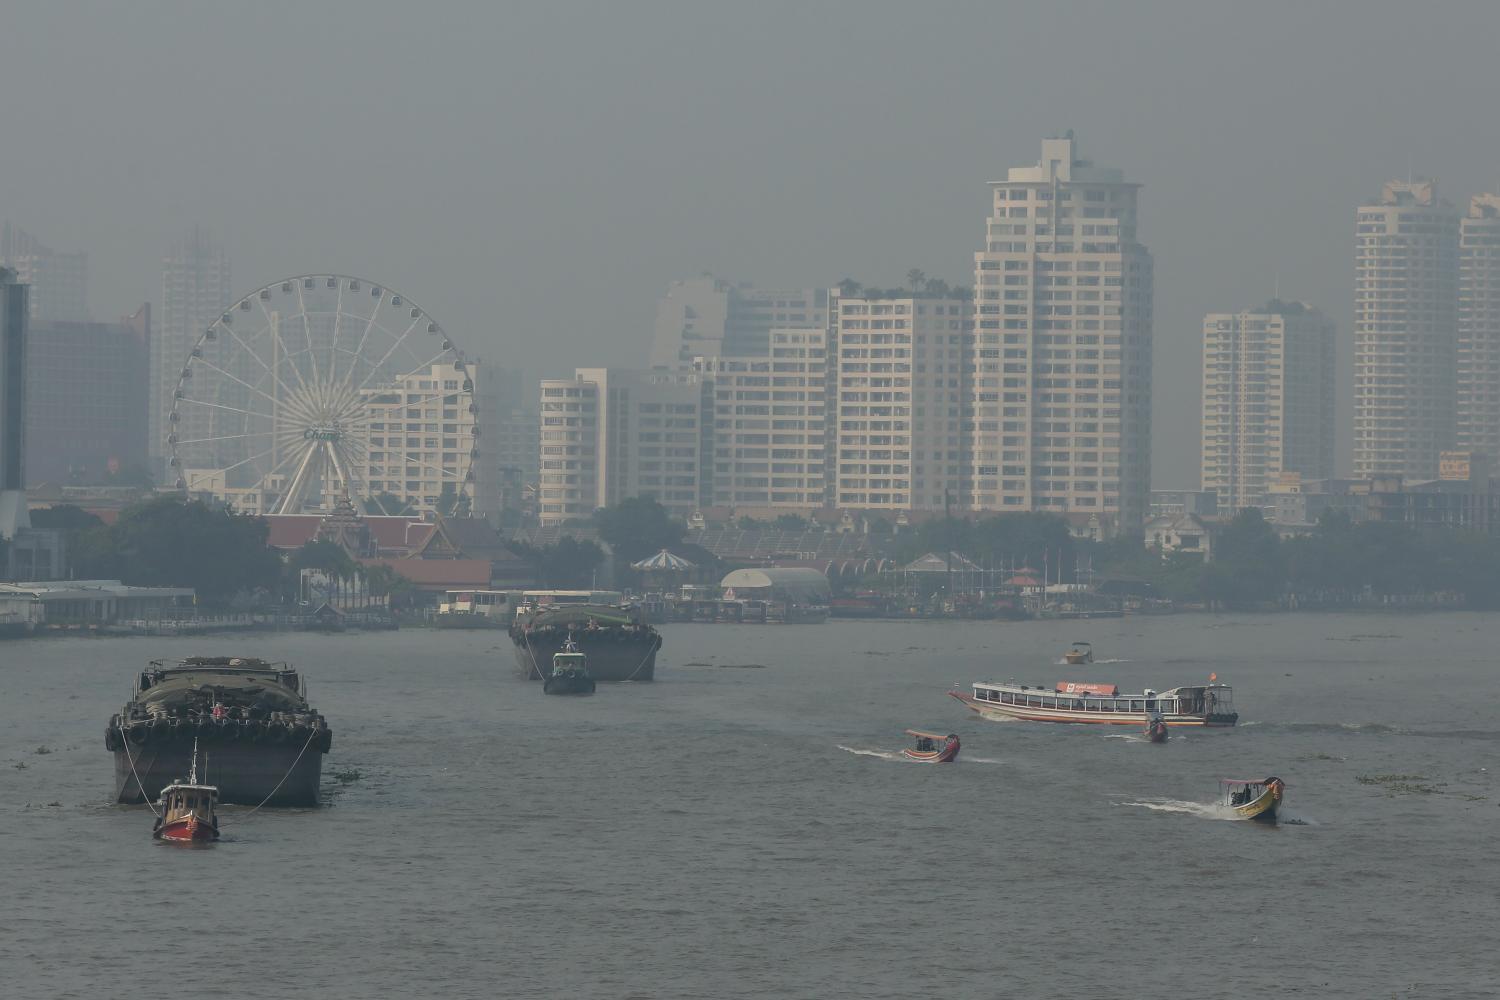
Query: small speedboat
[[1253, 800], [1079, 652], [570, 671], [1156, 728], [187, 809], [932, 748]]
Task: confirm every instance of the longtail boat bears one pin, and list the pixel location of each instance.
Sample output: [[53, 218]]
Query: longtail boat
[[1251, 799], [1080, 652], [932, 748], [1156, 728]]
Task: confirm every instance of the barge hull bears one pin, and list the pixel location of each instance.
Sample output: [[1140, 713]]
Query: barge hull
[[245, 774], [608, 660]]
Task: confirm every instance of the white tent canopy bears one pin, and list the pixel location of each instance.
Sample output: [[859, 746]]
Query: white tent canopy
[[664, 561]]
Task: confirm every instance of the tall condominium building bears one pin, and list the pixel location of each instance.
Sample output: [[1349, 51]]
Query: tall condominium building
[[1062, 345], [610, 433], [711, 317], [901, 389], [1405, 306], [1478, 418], [769, 424], [1268, 394], [85, 398], [195, 291], [59, 281], [14, 311], [425, 441]]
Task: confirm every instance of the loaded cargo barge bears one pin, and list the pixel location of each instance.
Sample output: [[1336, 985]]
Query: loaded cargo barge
[[620, 646], [261, 742]]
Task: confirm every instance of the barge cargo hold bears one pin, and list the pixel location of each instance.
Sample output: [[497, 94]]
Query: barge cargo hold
[[260, 741]]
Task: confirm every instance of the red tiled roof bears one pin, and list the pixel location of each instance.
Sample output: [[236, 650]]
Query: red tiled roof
[[290, 531], [439, 573]]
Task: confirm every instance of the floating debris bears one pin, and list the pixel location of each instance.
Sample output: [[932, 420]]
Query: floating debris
[[347, 776], [1402, 784], [744, 666]]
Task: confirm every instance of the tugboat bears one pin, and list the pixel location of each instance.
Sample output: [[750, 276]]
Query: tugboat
[[1156, 728], [932, 748], [570, 671], [1253, 800], [187, 809], [1079, 652]]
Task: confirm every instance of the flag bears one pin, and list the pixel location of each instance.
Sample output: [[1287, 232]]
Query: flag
[[1212, 678]]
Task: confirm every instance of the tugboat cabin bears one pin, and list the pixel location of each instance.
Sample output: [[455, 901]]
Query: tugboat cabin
[[569, 662]]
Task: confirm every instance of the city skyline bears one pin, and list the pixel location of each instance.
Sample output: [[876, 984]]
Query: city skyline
[[669, 169]]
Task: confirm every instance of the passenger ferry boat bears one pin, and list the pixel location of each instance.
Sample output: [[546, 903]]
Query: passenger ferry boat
[[1202, 705]]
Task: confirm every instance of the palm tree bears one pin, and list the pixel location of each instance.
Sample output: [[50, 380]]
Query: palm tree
[[916, 277]]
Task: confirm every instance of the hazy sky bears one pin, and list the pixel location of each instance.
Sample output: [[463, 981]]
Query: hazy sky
[[534, 176]]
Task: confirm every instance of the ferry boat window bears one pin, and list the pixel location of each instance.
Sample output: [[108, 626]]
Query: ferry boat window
[[1150, 704], [1137, 705], [1049, 702]]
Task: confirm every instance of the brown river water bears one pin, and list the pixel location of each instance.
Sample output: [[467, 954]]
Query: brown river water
[[743, 827]]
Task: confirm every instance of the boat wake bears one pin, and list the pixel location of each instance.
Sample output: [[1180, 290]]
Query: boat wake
[[1203, 810], [888, 755], [882, 754], [1091, 663], [1138, 738]]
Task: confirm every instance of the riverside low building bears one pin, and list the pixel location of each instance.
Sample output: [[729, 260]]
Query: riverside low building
[[91, 602]]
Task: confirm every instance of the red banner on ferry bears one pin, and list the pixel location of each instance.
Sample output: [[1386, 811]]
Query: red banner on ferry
[[1075, 687]]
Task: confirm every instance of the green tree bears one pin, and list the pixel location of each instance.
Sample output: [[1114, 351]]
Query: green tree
[[567, 563], [387, 503], [166, 542], [81, 531], [849, 287], [916, 278], [791, 522], [637, 527]]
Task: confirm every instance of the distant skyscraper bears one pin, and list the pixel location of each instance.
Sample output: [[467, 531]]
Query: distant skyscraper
[[610, 433], [711, 317], [1062, 344], [85, 396], [1479, 328], [1405, 298], [901, 393], [770, 424], [59, 281], [13, 320], [195, 291], [1268, 393]]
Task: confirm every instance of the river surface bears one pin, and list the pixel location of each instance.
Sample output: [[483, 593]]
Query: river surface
[[748, 831]]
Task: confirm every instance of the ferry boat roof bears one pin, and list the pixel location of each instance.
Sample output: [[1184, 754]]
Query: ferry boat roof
[[1085, 690]]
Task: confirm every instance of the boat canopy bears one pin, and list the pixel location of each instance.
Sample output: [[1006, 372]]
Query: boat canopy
[[1078, 687]]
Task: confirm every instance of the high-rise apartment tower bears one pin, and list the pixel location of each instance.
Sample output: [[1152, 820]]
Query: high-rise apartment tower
[[1405, 305], [195, 291], [1268, 394], [1062, 344], [1478, 375]]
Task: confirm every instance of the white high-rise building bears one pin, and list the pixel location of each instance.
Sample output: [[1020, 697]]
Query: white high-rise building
[[425, 445], [770, 425], [195, 291], [710, 317], [1062, 345], [1268, 395], [1405, 306], [610, 433], [59, 281], [900, 391], [1478, 416]]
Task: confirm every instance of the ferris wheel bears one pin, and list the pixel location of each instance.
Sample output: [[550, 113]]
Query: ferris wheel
[[320, 389]]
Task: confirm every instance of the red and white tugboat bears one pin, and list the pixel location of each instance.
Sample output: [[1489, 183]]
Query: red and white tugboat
[[187, 809]]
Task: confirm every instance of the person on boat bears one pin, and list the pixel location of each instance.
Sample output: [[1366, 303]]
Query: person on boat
[[219, 711]]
